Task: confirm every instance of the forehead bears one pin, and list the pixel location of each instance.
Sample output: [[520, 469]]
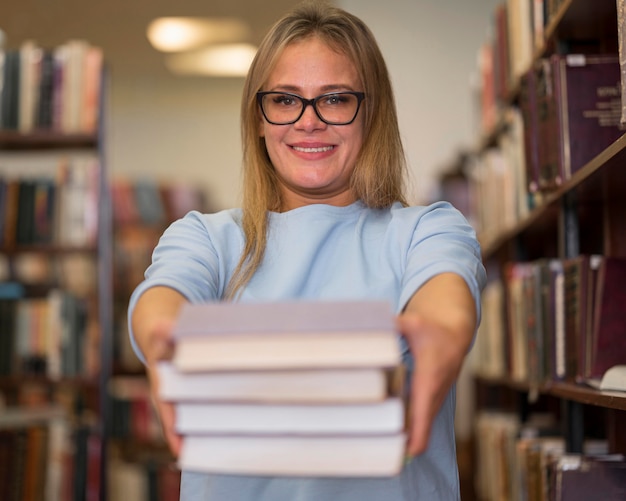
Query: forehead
[[313, 62]]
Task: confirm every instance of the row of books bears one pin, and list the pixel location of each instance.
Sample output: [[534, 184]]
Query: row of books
[[142, 209], [517, 33], [139, 467], [297, 388], [555, 319], [133, 416], [51, 89], [146, 202], [496, 181], [48, 200], [48, 336], [42, 456], [568, 112], [528, 462], [572, 108]]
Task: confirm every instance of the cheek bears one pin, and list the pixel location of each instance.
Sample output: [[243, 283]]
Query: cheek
[[261, 127]]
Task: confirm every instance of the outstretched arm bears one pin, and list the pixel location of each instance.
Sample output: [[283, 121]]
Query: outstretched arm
[[152, 321], [438, 323]]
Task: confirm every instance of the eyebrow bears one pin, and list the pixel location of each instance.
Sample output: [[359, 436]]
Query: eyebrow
[[325, 88]]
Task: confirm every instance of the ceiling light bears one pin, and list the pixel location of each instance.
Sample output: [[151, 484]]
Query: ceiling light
[[226, 60], [173, 34]]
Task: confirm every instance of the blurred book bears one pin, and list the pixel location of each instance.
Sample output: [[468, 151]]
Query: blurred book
[[297, 334], [303, 386], [307, 388]]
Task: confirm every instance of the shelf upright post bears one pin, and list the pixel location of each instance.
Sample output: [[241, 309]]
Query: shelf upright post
[[105, 267], [569, 242]]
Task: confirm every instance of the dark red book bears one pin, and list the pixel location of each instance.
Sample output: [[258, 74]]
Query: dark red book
[[548, 169], [580, 478], [577, 297], [528, 107], [609, 317], [582, 108]]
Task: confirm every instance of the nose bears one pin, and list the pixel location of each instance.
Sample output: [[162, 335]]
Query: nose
[[309, 119]]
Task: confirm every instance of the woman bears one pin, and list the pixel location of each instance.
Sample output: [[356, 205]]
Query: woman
[[324, 217]]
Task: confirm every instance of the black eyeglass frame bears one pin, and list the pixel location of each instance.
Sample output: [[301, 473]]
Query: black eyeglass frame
[[311, 102]]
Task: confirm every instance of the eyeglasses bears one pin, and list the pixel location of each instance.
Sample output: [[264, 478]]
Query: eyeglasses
[[334, 108]]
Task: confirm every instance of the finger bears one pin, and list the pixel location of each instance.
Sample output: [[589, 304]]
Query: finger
[[168, 420], [421, 414]]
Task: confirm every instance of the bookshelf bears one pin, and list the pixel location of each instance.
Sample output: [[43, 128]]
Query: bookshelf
[[581, 216], [55, 280], [140, 461]]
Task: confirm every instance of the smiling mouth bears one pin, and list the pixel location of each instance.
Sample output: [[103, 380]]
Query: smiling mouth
[[320, 149]]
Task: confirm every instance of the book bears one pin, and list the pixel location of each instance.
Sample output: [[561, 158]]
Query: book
[[295, 455], [528, 107], [285, 335], [286, 408], [581, 113], [576, 294], [608, 346], [246, 418], [614, 379], [579, 478], [548, 169], [10, 91], [303, 386]]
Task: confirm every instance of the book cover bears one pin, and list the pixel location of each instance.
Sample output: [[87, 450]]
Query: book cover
[[589, 106], [578, 113], [550, 173], [580, 478], [317, 456], [30, 70], [556, 308], [10, 213], [528, 107], [90, 98], [305, 386], [44, 108], [285, 335], [609, 342], [253, 418], [148, 202], [576, 273], [25, 212], [10, 90]]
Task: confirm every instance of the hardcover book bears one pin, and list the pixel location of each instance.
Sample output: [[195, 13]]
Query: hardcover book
[[579, 108], [296, 455], [579, 478], [290, 335], [252, 418], [302, 386], [609, 321], [306, 388]]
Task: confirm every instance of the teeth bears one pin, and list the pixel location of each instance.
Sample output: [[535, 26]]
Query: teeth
[[313, 150]]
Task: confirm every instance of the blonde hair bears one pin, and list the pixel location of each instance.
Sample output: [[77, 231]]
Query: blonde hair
[[379, 173]]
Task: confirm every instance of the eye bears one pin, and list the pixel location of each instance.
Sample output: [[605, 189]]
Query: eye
[[284, 99], [336, 99]]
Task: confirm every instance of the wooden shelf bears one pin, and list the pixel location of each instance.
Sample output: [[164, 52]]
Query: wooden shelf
[[569, 391], [47, 249], [14, 140], [591, 184]]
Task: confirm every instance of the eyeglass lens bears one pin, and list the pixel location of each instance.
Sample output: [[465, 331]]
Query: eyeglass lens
[[283, 108]]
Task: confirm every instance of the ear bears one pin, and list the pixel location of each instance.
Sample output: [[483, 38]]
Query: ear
[[261, 126]]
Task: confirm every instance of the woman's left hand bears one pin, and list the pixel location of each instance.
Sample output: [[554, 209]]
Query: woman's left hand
[[438, 356], [438, 324]]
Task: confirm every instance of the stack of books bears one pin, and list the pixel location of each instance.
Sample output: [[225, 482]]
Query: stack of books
[[292, 389]]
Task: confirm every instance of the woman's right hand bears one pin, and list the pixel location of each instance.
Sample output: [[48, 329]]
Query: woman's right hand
[[161, 348], [153, 319]]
